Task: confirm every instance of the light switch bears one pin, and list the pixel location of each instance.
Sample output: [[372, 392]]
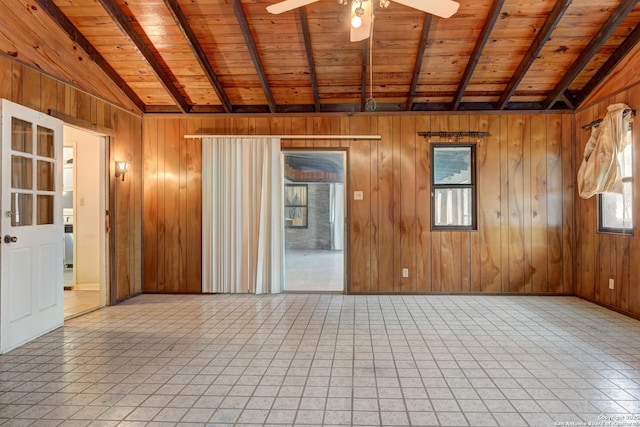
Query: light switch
[[357, 195]]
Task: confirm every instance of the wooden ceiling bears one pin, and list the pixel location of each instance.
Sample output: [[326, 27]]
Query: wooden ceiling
[[232, 56]]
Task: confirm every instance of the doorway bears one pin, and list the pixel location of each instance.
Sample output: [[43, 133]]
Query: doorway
[[84, 206], [314, 231]]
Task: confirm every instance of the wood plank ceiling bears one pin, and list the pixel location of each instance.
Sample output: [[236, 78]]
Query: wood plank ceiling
[[232, 56]]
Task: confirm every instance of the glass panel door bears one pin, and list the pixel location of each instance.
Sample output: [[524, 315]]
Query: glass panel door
[[21, 172]]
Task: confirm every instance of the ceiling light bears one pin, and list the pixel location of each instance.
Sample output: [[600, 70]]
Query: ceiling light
[[356, 19], [384, 4]]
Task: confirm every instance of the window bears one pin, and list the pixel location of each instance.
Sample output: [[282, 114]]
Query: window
[[295, 206], [615, 210], [453, 188]]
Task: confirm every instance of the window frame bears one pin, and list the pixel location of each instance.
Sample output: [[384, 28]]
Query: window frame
[[625, 179], [305, 206], [473, 186]]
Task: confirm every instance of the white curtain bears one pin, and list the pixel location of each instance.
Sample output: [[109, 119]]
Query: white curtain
[[600, 168], [242, 189], [336, 215]]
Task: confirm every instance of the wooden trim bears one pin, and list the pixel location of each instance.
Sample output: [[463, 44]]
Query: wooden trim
[[618, 15], [394, 113], [127, 29], [492, 16], [198, 52], [369, 137], [112, 295], [426, 26], [253, 51], [79, 123], [76, 36], [625, 47], [304, 24], [609, 307], [543, 36]]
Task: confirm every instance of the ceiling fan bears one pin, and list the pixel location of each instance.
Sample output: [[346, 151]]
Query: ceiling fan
[[362, 11]]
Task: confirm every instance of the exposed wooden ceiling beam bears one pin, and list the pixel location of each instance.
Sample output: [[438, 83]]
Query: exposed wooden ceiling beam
[[125, 25], [492, 16], [398, 107], [253, 51], [198, 52], [618, 15], [625, 47], [304, 24], [363, 91], [541, 38], [76, 36], [569, 99], [426, 26]]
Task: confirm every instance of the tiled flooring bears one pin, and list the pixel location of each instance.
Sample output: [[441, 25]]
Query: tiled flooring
[[80, 301], [329, 360], [314, 270]]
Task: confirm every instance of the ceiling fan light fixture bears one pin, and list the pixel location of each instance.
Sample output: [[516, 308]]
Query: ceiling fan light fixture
[[356, 21]]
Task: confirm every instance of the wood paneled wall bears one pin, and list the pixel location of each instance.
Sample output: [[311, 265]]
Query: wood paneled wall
[[35, 90], [525, 202], [602, 256], [172, 206]]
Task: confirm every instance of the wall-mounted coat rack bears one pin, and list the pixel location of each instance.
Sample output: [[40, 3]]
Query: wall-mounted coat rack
[[597, 122]]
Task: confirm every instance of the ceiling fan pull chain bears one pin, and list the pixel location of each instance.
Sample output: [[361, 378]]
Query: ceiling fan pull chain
[[370, 104]]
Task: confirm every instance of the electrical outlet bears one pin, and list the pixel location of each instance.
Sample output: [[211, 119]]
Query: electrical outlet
[[357, 195], [405, 272], [611, 283]]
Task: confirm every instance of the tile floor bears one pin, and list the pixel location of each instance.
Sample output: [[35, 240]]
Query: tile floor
[[80, 301], [313, 270], [313, 359]]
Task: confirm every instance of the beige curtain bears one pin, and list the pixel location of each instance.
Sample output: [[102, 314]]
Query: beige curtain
[[242, 215], [600, 169]]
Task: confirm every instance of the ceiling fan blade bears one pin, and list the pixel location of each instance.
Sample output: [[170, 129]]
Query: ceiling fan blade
[[287, 5], [362, 32], [441, 8]]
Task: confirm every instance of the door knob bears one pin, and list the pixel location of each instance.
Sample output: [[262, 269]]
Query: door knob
[[10, 239]]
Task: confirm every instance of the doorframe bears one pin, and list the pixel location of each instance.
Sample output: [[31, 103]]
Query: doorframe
[[347, 209], [109, 192]]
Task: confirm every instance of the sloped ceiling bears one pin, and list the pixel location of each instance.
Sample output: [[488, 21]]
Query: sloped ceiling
[[232, 56]]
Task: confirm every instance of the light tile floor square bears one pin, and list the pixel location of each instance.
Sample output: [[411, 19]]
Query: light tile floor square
[[321, 359]]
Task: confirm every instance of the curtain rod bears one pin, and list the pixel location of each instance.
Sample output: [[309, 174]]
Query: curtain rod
[[288, 136], [597, 122]]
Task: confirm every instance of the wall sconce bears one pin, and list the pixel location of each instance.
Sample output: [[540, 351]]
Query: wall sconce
[[121, 169]]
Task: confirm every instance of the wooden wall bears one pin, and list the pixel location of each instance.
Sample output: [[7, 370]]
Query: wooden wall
[[35, 90], [525, 202], [602, 256]]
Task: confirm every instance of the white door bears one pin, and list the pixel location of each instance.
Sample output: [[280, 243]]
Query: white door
[[31, 276]]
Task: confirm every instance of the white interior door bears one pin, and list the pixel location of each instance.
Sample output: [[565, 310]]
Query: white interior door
[[31, 264]]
